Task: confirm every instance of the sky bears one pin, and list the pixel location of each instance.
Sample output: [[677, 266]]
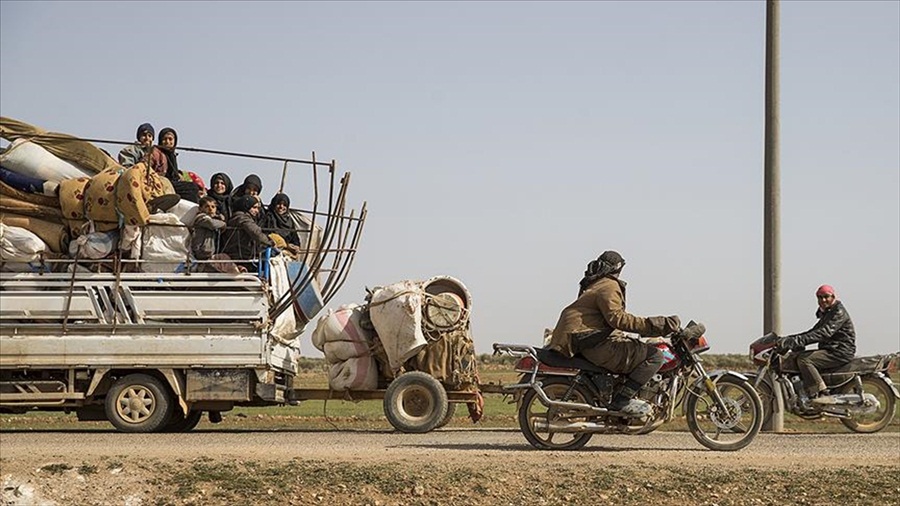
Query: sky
[[506, 144]]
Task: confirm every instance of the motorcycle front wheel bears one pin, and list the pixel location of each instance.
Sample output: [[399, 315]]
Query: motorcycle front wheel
[[533, 413], [729, 427], [877, 419]]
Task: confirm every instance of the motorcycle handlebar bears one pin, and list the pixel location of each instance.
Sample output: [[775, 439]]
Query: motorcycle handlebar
[[692, 330]]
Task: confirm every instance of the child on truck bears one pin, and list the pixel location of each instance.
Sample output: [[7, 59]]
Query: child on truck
[[204, 242]]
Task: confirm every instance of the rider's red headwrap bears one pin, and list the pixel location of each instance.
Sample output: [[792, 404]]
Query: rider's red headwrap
[[825, 290]]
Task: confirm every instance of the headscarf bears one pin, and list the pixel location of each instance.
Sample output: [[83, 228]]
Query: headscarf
[[243, 203], [172, 172], [281, 224], [223, 201], [609, 264], [825, 290], [251, 180], [143, 128]]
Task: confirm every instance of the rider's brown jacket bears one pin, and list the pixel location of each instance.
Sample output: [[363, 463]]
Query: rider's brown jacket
[[601, 308]]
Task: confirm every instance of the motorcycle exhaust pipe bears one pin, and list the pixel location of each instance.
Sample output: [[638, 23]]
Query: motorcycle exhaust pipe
[[568, 427], [575, 406]]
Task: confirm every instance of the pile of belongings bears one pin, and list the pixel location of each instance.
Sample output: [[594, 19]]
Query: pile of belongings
[[406, 326], [80, 203]]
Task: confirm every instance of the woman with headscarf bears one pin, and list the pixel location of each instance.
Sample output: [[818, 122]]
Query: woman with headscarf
[[252, 186], [181, 181], [243, 239], [278, 219], [220, 188]]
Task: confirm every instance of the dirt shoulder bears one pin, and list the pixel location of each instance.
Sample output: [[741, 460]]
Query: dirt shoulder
[[446, 467]]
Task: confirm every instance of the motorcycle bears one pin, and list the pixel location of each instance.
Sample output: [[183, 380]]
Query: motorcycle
[[562, 402], [861, 394]]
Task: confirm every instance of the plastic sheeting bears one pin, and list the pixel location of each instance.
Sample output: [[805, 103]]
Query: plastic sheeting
[[81, 153], [32, 160], [285, 325]]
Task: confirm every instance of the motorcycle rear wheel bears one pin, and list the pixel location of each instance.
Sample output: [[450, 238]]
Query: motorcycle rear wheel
[[531, 410], [873, 422], [731, 430]]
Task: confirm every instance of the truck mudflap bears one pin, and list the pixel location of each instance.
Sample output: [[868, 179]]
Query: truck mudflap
[[271, 392]]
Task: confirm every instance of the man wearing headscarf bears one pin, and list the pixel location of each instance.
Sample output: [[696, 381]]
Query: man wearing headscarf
[[595, 325], [836, 337], [243, 239], [130, 155]]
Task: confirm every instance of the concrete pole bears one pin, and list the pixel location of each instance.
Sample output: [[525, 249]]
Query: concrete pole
[[772, 205]]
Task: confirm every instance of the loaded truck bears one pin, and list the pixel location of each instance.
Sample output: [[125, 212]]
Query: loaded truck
[[152, 343]]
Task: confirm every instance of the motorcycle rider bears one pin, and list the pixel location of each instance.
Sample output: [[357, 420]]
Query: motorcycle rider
[[837, 345], [594, 326]]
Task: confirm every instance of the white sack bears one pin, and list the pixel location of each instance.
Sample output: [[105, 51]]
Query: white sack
[[95, 245], [339, 351], [354, 374], [20, 245], [30, 159], [396, 312], [131, 239], [164, 246], [341, 324], [186, 211]]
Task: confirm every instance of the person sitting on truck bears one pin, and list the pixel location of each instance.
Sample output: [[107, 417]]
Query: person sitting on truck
[[181, 181], [278, 220], [205, 237], [243, 238], [220, 188], [130, 155], [252, 185]]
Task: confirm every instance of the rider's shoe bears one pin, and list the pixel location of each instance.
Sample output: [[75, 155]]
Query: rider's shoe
[[635, 408]]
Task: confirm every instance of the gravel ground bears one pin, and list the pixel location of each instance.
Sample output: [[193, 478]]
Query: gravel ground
[[445, 467]]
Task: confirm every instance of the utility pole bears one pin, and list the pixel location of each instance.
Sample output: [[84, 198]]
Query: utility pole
[[772, 207]]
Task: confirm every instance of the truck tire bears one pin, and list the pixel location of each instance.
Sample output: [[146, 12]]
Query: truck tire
[[138, 403], [180, 423], [415, 402]]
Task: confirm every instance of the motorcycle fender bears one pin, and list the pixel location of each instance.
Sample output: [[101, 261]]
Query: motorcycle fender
[[887, 379], [718, 374]]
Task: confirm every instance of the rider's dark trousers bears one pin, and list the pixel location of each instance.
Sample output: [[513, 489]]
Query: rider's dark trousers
[[624, 355], [809, 363]]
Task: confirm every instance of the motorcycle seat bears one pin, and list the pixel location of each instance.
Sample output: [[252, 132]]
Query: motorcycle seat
[[860, 365], [554, 358]]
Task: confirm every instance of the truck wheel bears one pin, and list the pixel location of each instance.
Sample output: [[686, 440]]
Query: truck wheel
[[180, 423], [138, 403], [415, 402]]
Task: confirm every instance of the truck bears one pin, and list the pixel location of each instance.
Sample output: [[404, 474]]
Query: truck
[[152, 348]]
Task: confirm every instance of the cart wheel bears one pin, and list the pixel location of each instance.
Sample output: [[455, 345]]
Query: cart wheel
[[138, 403], [415, 402]]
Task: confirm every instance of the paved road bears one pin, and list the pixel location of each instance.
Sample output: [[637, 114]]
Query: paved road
[[789, 451]]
